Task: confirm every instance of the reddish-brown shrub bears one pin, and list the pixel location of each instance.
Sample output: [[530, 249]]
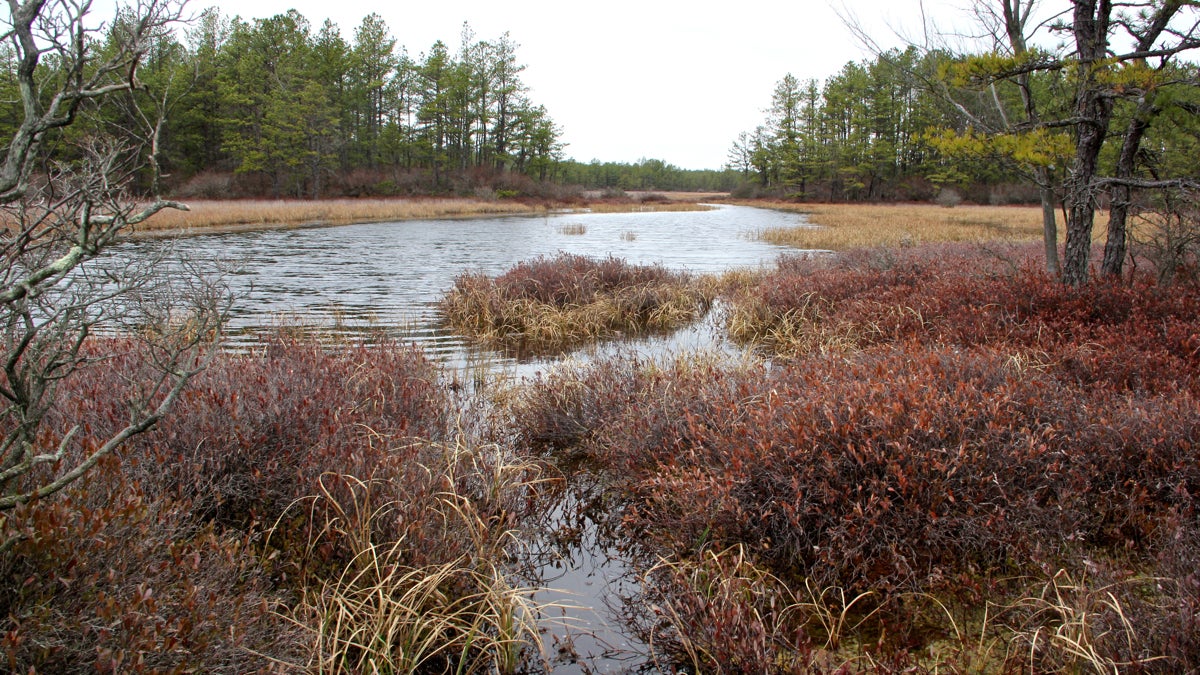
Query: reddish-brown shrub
[[895, 470], [1128, 335], [134, 586]]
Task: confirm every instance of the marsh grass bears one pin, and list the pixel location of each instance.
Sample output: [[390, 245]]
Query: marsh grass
[[647, 207], [551, 303], [249, 214], [383, 613], [574, 229], [722, 612], [234, 215], [847, 226]]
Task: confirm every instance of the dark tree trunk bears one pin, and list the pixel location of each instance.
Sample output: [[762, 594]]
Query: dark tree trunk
[[1049, 221], [1115, 248], [1094, 110]]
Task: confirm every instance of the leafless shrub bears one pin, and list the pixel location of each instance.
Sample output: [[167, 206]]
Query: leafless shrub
[[1169, 238]]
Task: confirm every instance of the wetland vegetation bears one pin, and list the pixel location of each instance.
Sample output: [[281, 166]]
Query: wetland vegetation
[[931, 458], [922, 448]]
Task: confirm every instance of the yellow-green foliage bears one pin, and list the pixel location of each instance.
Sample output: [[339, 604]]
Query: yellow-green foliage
[[980, 69], [1037, 147]]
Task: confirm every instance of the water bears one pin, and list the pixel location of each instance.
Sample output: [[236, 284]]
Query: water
[[388, 277]]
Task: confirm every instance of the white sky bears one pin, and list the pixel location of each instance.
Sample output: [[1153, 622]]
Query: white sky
[[628, 79]]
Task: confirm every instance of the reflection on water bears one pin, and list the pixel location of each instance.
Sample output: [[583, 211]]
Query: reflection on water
[[345, 281]]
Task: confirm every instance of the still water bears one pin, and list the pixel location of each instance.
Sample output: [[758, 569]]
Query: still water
[[389, 276]]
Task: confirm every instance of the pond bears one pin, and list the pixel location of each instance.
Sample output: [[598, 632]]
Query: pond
[[388, 277]]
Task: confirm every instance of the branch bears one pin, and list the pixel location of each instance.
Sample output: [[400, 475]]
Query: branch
[[87, 247], [1175, 183], [113, 443]]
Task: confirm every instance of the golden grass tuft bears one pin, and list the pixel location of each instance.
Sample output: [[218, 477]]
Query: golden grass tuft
[[550, 304], [847, 226], [382, 614]]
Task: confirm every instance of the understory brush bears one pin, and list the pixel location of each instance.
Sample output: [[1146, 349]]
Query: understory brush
[[984, 470], [549, 304], [1125, 335], [308, 498]]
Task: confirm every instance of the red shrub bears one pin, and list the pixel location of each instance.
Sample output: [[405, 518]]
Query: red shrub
[[133, 586], [897, 469]]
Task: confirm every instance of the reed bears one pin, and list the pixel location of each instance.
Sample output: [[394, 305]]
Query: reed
[[552, 303], [847, 226]]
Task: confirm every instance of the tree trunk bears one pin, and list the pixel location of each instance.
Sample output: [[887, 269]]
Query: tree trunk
[[1049, 221], [1081, 188], [1115, 247], [1094, 110]]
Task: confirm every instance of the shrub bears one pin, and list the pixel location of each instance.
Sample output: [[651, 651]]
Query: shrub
[[551, 303], [257, 504], [948, 198], [1126, 335], [108, 578]]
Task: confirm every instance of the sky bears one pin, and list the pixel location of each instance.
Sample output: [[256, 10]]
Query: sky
[[633, 79]]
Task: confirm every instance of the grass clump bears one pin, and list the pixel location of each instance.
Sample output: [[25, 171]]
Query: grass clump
[[551, 303]]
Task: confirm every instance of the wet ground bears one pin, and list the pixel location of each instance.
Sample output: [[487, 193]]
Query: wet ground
[[350, 280]]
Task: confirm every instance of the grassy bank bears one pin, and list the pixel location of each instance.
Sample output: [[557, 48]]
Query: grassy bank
[[847, 226], [212, 215]]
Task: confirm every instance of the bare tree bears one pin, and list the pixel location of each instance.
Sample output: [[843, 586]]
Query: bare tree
[[59, 221]]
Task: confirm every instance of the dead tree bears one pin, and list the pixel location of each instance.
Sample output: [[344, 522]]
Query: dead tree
[[59, 221]]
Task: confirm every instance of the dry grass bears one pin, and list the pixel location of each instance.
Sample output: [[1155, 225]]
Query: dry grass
[[647, 207], [382, 614], [251, 214], [847, 226], [211, 215], [576, 229]]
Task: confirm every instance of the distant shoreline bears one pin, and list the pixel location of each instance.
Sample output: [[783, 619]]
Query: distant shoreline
[[208, 216]]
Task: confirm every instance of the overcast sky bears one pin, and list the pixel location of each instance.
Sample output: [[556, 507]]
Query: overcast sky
[[627, 79]]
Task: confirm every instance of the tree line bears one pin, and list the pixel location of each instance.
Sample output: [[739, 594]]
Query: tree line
[[289, 109], [907, 123], [857, 136]]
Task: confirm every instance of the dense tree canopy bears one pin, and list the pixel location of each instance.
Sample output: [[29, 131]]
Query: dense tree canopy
[[289, 109]]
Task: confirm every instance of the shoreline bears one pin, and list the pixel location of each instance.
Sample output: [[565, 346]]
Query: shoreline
[[222, 217]]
